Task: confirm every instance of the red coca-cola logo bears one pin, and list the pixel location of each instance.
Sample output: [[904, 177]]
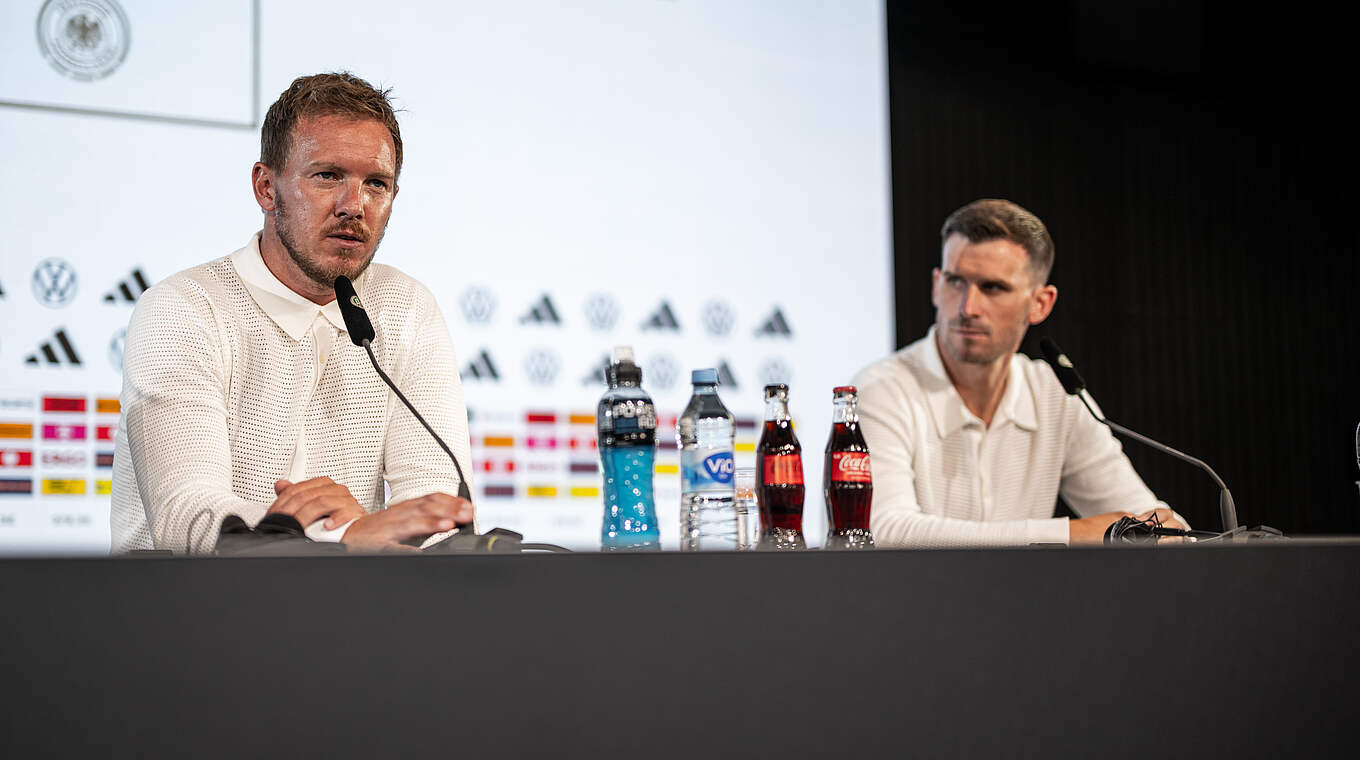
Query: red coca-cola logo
[[784, 470], [851, 467]]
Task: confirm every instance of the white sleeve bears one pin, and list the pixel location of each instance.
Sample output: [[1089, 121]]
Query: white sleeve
[[1097, 477], [175, 415], [896, 518]]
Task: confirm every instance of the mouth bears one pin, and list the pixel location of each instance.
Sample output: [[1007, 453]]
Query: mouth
[[346, 239], [970, 332]]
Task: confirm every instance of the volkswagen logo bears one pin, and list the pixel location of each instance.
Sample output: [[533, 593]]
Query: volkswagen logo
[[116, 350], [602, 311], [661, 371], [541, 366], [477, 305], [718, 318], [775, 370], [54, 282]]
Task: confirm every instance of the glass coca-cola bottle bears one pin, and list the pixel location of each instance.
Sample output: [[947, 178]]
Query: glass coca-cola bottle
[[779, 475], [847, 482]]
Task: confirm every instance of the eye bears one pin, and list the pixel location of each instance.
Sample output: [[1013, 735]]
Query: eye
[[327, 175], [378, 184]]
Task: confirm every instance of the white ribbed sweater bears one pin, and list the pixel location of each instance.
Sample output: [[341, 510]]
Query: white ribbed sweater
[[216, 395], [942, 478]]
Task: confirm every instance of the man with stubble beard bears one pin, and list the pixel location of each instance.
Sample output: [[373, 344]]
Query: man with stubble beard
[[242, 393], [972, 443]]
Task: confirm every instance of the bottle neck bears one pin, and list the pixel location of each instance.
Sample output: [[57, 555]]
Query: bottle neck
[[705, 389], [844, 411], [776, 409]]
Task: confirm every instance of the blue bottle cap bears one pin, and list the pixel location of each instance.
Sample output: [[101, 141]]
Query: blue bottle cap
[[707, 375]]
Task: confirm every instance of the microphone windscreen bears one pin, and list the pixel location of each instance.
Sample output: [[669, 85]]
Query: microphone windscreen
[[356, 319], [1062, 366]]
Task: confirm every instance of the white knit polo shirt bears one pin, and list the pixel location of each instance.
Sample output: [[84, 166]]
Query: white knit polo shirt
[[942, 478], [225, 384]]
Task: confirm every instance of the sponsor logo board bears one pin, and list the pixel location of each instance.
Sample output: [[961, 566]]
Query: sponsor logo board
[[63, 487]]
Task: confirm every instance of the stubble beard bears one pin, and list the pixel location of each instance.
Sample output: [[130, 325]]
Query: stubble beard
[[959, 352], [323, 275]]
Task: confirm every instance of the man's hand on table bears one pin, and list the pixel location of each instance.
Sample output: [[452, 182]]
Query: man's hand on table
[[418, 518], [1091, 530], [314, 499]]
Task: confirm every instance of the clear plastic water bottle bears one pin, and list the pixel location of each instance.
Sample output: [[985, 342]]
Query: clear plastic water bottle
[[625, 422], [706, 433]]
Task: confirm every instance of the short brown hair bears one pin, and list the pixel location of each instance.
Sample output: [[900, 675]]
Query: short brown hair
[[323, 95], [995, 219]]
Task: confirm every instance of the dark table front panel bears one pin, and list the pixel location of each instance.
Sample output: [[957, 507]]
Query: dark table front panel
[[1247, 650]]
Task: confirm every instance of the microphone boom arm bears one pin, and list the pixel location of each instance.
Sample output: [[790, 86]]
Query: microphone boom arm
[[1227, 511], [463, 492]]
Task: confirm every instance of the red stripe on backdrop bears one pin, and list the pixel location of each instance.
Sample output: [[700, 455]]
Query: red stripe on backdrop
[[63, 404], [15, 458]]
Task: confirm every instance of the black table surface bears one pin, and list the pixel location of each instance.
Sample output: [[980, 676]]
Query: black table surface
[[1245, 650]]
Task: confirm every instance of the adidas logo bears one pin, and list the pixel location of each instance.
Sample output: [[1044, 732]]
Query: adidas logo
[[775, 325], [129, 289], [47, 353], [597, 375], [542, 312], [481, 368], [725, 377], [662, 319]]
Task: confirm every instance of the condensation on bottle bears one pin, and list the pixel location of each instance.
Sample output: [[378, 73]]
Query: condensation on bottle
[[706, 434], [625, 424]]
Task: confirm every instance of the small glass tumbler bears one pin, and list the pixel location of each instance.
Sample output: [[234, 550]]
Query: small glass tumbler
[[748, 512]]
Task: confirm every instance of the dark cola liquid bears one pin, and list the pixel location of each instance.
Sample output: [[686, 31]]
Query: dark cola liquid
[[779, 480], [847, 482]]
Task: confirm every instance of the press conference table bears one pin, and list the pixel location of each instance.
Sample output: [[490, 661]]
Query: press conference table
[[1229, 650]]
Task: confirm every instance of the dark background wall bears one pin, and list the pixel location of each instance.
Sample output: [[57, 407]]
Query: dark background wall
[[1193, 164]]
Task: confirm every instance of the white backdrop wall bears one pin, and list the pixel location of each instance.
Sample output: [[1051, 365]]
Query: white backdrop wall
[[704, 180]]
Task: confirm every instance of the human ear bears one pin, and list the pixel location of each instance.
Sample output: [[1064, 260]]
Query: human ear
[[1041, 303], [262, 182]]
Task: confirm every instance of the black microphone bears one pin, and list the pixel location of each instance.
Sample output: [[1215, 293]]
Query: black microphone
[[1071, 380], [1076, 386], [361, 332], [358, 324]]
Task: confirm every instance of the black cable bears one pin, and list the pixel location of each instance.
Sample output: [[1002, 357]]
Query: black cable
[[463, 492], [545, 548], [189, 535]]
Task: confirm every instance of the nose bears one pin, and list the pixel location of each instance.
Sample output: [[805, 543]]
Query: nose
[[349, 200], [968, 302]]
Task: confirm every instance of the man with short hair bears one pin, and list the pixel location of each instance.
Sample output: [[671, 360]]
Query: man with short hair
[[242, 393], [972, 443]]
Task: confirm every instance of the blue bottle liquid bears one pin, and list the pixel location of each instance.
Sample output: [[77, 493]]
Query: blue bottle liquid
[[625, 422]]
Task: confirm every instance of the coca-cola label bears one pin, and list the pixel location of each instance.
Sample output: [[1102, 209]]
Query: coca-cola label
[[850, 467], [784, 470]]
